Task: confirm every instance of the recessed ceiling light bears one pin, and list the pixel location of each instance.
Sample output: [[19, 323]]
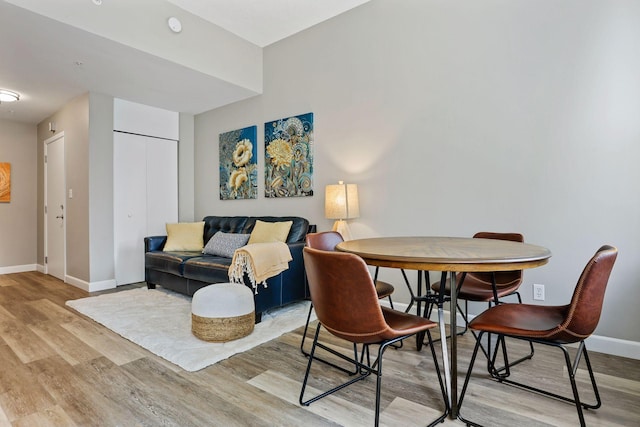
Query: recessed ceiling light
[[174, 24], [8, 96], [97, 2]]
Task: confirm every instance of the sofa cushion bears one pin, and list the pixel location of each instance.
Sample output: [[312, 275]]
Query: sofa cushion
[[168, 262], [225, 244], [267, 232], [298, 230], [184, 236], [207, 268]]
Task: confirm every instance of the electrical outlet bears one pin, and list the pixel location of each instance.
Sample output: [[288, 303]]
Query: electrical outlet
[[538, 292]]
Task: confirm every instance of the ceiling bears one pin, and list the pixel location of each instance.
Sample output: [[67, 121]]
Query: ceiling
[[50, 59]]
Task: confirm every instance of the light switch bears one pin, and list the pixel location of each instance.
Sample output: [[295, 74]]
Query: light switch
[[71, 193]]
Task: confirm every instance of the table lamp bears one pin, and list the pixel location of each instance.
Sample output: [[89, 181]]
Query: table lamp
[[341, 203]]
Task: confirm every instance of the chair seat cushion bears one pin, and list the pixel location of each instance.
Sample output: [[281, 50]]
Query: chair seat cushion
[[384, 289], [524, 320], [403, 323], [477, 290]]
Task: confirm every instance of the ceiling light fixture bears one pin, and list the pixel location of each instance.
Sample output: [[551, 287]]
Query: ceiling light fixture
[[8, 96], [174, 24]]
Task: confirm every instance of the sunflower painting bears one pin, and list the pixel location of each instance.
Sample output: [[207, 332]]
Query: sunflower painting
[[5, 182], [238, 164], [289, 157]]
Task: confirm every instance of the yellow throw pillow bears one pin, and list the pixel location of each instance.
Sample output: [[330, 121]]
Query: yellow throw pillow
[[185, 236], [266, 232]]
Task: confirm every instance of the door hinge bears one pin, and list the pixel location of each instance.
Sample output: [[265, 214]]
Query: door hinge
[[45, 158], [45, 209], [46, 260]]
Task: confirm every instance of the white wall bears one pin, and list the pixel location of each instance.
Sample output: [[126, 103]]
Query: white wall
[[460, 116], [185, 168], [18, 142], [88, 125], [101, 262], [73, 120]]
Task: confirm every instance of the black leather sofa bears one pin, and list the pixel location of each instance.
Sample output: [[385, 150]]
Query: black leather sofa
[[186, 272]]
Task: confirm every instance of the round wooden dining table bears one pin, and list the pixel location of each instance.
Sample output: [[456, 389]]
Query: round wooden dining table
[[453, 255]]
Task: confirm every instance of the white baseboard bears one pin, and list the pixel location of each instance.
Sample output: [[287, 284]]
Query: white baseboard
[[614, 346], [85, 286], [90, 286], [601, 344], [17, 269], [77, 283], [102, 285]]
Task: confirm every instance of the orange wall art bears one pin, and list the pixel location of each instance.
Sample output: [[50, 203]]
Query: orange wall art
[[5, 182]]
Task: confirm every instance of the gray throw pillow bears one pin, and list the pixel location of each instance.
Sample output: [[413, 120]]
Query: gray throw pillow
[[225, 244]]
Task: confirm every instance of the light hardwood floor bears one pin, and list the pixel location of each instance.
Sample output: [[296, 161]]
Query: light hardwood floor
[[58, 368]]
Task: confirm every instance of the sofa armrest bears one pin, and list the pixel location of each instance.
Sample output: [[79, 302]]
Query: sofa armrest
[[295, 275], [154, 243]]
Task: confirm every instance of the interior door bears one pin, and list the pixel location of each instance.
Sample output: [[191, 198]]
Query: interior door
[[130, 206], [162, 184], [55, 188]]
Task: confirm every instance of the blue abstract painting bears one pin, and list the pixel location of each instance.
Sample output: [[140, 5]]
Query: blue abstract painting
[[238, 164], [288, 147]]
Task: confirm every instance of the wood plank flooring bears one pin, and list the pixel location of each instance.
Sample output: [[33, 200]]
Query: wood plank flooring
[[58, 368]]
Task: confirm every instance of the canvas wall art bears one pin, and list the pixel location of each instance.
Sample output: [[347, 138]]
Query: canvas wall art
[[289, 157], [238, 164], [5, 182]]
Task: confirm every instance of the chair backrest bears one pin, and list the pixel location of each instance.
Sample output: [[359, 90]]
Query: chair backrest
[[503, 278], [583, 313], [344, 296], [325, 240]]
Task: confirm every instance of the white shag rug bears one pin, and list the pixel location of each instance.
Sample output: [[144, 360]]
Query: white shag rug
[[160, 321]]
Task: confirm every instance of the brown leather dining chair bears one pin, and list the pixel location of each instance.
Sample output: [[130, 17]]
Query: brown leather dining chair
[[556, 326], [347, 305], [479, 287], [327, 241]]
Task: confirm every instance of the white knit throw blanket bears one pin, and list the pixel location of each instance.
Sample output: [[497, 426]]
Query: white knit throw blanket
[[259, 261]]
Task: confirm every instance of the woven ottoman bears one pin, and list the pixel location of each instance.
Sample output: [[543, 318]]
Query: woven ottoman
[[222, 312]]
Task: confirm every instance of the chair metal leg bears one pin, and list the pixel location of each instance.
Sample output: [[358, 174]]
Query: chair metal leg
[[507, 364], [333, 390], [572, 368], [304, 352], [378, 362], [443, 389], [306, 327], [496, 372], [466, 382], [379, 383], [366, 369]]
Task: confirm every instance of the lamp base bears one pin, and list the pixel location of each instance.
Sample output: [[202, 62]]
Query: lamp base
[[342, 227]]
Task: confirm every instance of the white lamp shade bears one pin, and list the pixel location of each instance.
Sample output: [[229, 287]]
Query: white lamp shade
[[341, 201]]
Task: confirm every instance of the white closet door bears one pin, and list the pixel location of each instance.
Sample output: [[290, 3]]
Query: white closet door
[[145, 182], [145, 198], [130, 206], [162, 184]]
